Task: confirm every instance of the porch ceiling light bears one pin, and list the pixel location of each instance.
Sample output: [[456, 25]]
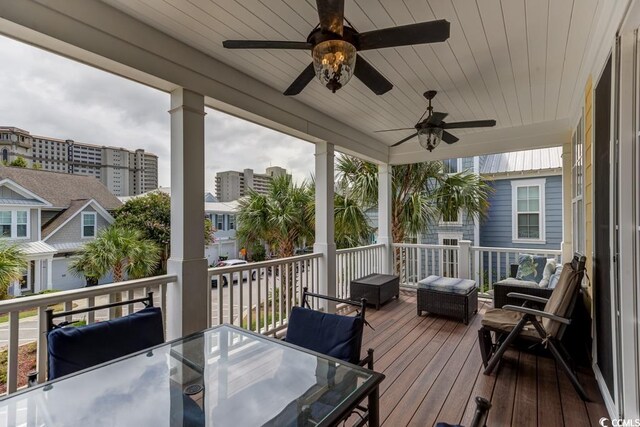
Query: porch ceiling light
[[429, 138], [334, 62]]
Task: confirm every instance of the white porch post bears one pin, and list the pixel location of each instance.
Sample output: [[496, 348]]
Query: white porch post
[[37, 276], [50, 273], [464, 259], [385, 235], [325, 227], [567, 244], [187, 298]]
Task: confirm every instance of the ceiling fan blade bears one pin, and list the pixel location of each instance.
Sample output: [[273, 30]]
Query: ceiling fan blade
[[301, 81], [448, 138], [393, 130], [265, 44], [331, 14], [436, 118], [404, 140], [371, 77], [424, 32], [470, 124]]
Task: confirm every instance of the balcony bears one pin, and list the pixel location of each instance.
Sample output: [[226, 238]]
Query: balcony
[[432, 364]]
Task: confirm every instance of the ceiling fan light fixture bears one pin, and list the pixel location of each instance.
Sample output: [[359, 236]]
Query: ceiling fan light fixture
[[429, 138], [334, 62]]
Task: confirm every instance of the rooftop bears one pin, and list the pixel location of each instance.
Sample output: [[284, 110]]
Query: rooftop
[[542, 159]]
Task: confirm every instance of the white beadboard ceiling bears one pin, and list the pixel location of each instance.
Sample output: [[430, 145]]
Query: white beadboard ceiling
[[520, 62]]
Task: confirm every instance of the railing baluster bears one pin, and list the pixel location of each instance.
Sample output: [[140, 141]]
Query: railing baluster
[[162, 290], [220, 301], [129, 298], [490, 269], [41, 352], [12, 356], [498, 266], [230, 290], [91, 316], [250, 298]]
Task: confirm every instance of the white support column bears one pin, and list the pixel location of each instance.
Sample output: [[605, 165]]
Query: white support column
[[384, 216], [187, 299], [567, 216], [325, 220], [37, 276], [50, 273], [464, 259]]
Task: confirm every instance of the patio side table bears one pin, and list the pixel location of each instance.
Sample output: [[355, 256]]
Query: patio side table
[[376, 288]]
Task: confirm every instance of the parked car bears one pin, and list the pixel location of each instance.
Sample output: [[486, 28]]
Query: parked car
[[236, 276]]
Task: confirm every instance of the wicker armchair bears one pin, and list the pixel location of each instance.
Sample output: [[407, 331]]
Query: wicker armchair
[[501, 290]]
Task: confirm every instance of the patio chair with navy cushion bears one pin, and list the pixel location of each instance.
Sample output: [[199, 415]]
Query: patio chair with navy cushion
[[334, 335], [545, 327]]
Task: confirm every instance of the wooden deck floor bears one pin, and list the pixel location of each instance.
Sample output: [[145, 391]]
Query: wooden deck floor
[[432, 367]]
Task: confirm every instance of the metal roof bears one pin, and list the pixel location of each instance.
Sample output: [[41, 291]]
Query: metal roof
[[37, 248], [523, 161], [25, 202]]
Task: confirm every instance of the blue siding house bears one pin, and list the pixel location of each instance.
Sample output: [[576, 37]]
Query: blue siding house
[[525, 209]]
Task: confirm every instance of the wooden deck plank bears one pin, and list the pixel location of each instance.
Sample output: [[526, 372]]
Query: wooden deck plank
[[549, 408], [596, 407], [525, 409], [405, 400], [426, 413], [505, 390], [574, 410]]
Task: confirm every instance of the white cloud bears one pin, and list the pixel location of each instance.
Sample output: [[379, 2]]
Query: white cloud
[[49, 95]]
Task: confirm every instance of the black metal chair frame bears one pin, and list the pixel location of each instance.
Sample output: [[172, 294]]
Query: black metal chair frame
[[367, 361], [50, 316], [492, 352]]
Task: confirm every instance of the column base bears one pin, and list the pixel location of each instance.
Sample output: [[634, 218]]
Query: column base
[[187, 304]]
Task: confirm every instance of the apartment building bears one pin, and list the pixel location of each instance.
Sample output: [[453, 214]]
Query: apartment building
[[231, 185], [123, 172]]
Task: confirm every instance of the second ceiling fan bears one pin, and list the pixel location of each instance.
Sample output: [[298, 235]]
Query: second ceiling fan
[[433, 129], [334, 48]]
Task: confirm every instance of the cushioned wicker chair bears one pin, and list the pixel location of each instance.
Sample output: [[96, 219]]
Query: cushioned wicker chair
[[545, 326]]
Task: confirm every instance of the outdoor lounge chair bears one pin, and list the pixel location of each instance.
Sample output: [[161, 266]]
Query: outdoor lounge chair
[[545, 326]]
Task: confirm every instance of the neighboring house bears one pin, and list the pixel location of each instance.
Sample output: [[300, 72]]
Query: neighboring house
[[50, 215], [223, 218]]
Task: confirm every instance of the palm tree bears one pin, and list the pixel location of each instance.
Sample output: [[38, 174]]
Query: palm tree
[[351, 224], [122, 251], [12, 265], [281, 217], [422, 193]]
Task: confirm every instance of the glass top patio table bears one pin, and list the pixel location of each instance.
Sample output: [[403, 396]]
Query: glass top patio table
[[224, 376]]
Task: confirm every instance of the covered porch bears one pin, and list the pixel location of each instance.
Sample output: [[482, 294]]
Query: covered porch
[[500, 62]]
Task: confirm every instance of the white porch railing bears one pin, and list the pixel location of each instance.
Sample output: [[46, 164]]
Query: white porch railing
[[255, 296], [357, 262], [413, 262], [490, 265], [33, 328]]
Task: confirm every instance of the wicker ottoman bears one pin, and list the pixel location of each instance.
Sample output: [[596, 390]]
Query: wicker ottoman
[[448, 297], [376, 288]]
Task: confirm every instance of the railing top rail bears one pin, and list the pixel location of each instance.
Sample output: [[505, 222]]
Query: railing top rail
[[23, 303], [423, 246], [262, 264], [360, 248], [523, 250]]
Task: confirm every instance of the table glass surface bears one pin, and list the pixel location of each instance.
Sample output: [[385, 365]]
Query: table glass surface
[[222, 376]]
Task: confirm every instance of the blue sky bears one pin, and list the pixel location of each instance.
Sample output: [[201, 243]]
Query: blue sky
[[49, 95]]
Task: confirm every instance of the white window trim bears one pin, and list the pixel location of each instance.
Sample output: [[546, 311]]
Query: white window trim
[[14, 223], [541, 183], [448, 235], [95, 224], [458, 222]]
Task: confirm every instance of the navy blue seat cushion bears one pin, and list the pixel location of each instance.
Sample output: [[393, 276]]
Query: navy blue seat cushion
[[73, 349], [331, 334]]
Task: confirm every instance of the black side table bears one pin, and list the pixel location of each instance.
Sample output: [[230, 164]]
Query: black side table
[[376, 288]]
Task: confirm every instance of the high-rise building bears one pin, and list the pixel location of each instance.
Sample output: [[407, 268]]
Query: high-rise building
[[231, 185], [123, 172]]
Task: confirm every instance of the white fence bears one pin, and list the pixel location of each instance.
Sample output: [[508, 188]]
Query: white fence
[[354, 263], [34, 326], [259, 296]]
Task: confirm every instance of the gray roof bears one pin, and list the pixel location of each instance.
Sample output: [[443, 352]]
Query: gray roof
[[57, 221], [36, 248], [523, 161], [61, 189]]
